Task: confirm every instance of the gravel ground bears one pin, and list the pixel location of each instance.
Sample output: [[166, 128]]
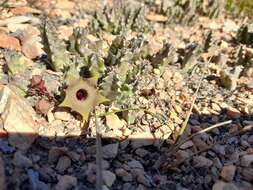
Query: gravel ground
[[43, 146]]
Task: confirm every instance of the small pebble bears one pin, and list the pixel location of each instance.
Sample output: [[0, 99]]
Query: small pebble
[[60, 115], [141, 152], [246, 160], [201, 161], [220, 185], [108, 178], [66, 182], [228, 173], [21, 161], [110, 151], [64, 163]]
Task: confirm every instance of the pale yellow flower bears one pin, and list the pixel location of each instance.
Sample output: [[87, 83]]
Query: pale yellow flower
[[82, 96]]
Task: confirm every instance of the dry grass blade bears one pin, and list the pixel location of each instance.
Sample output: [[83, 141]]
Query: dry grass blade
[[198, 133], [184, 125], [208, 129], [180, 135], [167, 166]]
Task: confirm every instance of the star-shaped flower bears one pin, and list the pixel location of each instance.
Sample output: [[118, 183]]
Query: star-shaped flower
[[82, 96]]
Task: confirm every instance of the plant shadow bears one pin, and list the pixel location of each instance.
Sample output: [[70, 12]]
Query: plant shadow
[[50, 159]]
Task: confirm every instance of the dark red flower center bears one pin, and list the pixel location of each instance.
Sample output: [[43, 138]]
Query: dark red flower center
[[81, 94]]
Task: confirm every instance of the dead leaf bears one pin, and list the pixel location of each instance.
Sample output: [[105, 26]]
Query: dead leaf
[[9, 42], [31, 45], [18, 119]]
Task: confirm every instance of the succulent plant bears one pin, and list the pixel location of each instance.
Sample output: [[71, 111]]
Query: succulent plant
[[245, 34], [164, 56], [207, 41], [122, 17], [124, 63], [185, 11], [19, 70], [59, 58], [194, 52], [239, 7], [82, 65], [90, 70]]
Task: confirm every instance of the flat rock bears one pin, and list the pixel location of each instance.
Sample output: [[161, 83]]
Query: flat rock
[[21, 161], [141, 152], [217, 163], [141, 139], [108, 178], [64, 163], [134, 164], [181, 155], [5, 147], [43, 107], [250, 139], [187, 144], [128, 186], [30, 39], [124, 175], [199, 143], [201, 161], [143, 179], [113, 122], [104, 187], [219, 149], [246, 160], [62, 115], [220, 185], [233, 112], [34, 181], [247, 174], [105, 165], [91, 178], [228, 173], [230, 26], [66, 182], [110, 151], [141, 187], [19, 119], [9, 42], [55, 153]]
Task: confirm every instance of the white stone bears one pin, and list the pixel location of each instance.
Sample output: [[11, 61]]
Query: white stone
[[108, 178]]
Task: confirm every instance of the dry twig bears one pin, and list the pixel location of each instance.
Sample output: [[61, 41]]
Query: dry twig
[[99, 182]]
